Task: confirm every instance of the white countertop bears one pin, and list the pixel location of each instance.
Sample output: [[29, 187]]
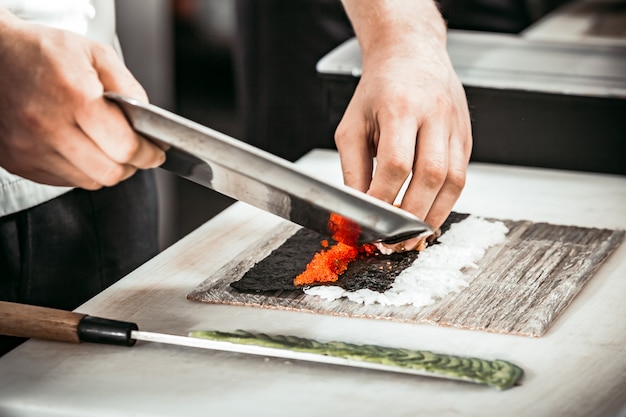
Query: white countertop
[[577, 369], [587, 22]]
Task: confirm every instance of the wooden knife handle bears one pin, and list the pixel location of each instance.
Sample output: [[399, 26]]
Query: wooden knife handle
[[24, 320]]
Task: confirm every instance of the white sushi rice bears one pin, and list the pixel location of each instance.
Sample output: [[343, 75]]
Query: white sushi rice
[[437, 271]]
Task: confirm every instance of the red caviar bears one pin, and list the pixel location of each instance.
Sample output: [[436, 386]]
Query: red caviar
[[327, 265], [344, 230]]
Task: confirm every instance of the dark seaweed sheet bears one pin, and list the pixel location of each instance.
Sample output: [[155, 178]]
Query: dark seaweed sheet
[[277, 271]]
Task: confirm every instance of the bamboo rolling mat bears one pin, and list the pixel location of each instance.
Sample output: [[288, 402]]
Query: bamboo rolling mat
[[520, 286]]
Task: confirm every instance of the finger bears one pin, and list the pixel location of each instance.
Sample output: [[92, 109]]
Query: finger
[[114, 75], [355, 153], [430, 169], [53, 168], [68, 180], [115, 136], [394, 157], [105, 124], [88, 159], [453, 185], [64, 174]]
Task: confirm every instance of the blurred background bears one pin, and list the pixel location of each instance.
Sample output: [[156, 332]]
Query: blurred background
[[184, 53], [181, 53]]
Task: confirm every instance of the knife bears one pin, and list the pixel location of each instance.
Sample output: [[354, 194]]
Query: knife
[[264, 180], [29, 321]]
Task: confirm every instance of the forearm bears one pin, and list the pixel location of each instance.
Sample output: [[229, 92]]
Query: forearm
[[391, 27]]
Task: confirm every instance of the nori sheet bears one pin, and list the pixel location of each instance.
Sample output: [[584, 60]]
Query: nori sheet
[[277, 271]]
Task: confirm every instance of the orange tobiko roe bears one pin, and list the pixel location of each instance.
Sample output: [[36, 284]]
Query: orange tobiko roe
[[327, 265], [344, 230]]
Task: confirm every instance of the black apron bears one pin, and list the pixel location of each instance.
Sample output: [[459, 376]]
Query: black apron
[[65, 251]]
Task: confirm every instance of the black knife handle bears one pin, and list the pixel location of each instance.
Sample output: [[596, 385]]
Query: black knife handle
[[110, 332], [24, 320]]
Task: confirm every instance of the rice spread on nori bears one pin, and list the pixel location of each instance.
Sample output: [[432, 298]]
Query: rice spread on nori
[[438, 270], [375, 272]]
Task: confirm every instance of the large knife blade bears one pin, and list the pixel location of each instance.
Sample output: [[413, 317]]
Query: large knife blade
[[23, 320], [251, 175]]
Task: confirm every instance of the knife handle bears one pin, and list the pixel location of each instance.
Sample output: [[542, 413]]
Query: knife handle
[[24, 320]]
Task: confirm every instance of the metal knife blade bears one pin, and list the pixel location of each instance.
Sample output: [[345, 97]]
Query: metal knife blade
[[496, 373], [195, 342], [29, 321], [266, 181]]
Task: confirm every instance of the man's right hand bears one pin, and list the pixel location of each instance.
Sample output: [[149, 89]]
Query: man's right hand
[[55, 126]]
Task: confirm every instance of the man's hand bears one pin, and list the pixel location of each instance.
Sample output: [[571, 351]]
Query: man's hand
[[409, 111], [55, 126]]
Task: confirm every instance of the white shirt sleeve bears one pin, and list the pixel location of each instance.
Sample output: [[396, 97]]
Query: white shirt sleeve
[[94, 19]]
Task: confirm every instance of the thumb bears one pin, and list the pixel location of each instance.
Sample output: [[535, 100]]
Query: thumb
[[114, 75]]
